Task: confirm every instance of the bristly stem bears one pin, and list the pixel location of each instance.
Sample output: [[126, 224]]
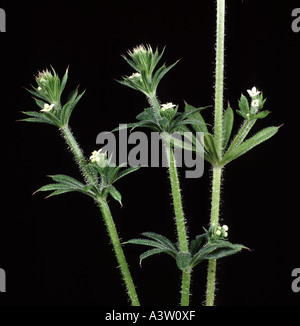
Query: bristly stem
[[219, 77], [109, 222], [101, 201], [179, 218], [218, 134]]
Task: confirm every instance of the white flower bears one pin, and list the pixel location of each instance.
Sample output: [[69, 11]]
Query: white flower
[[47, 107], [39, 88], [225, 227], [99, 158], [93, 157], [167, 106], [255, 103], [135, 75], [253, 92]]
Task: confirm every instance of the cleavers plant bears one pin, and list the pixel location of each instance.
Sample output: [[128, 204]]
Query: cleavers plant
[[218, 147]]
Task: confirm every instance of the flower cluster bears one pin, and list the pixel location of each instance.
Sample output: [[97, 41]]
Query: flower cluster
[[221, 231], [253, 110], [144, 61], [99, 158]]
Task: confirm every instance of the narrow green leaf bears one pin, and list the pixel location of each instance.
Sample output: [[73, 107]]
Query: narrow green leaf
[[125, 172], [196, 243], [69, 107], [50, 116], [244, 104], [160, 238], [150, 243], [37, 117], [239, 138], [62, 178], [115, 194], [255, 140], [209, 145], [56, 186], [224, 252], [160, 73], [262, 114], [227, 126], [59, 192], [64, 81], [183, 260], [152, 252]]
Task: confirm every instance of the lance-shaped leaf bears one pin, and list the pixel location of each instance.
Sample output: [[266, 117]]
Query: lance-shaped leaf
[[209, 144], [183, 260], [70, 105], [65, 184], [216, 250], [115, 194], [161, 239], [244, 104], [152, 252], [37, 117], [227, 126], [255, 140], [239, 137], [201, 125], [160, 243]]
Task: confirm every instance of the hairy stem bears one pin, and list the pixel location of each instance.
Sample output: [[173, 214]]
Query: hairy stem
[[218, 134], [155, 105], [214, 220], [185, 287], [219, 77], [179, 218], [90, 178], [177, 202], [110, 225]]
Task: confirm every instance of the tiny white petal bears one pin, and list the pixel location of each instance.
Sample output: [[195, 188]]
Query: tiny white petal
[[167, 106], [135, 75], [253, 92], [225, 227], [47, 107]]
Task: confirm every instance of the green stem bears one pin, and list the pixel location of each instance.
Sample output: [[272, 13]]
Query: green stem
[[218, 134], [214, 221], [118, 250], [90, 178], [155, 105], [211, 281], [179, 218], [185, 287], [219, 77], [176, 195], [77, 154]]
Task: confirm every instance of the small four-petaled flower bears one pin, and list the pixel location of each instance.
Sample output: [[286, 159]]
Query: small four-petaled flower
[[255, 103], [135, 75], [253, 92], [47, 107], [167, 106]]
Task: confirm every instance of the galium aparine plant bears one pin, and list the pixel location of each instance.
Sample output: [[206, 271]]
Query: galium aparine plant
[[218, 145]]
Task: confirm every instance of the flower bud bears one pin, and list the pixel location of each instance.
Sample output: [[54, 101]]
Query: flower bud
[[99, 158]]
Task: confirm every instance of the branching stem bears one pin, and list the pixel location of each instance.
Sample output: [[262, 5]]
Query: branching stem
[[106, 214]]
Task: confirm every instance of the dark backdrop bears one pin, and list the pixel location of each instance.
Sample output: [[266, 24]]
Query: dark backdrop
[[56, 251]]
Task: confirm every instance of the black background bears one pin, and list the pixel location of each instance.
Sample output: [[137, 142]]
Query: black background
[[56, 251]]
